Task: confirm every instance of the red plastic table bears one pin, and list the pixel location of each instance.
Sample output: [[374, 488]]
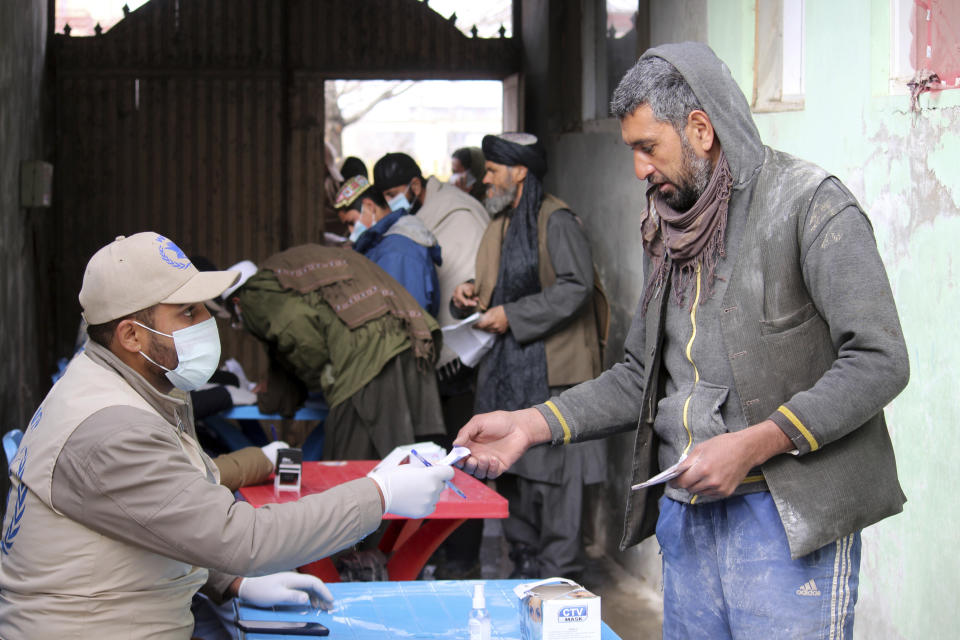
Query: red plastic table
[[408, 544]]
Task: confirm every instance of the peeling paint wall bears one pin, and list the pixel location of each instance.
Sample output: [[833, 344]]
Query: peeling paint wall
[[23, 37], [905, 170]]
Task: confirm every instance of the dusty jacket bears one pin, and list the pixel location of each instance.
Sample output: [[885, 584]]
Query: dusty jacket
[[117, 515], [811, 338]]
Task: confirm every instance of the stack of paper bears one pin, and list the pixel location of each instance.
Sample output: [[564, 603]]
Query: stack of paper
[[469, 343]]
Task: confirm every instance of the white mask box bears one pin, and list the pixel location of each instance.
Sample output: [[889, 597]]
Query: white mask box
[[558, 609]]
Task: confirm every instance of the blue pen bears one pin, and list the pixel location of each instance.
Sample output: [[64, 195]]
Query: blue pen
[[452, 486], [273, 430]]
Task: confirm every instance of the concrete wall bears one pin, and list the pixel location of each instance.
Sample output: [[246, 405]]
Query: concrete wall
[[23, 232], [903, 168]]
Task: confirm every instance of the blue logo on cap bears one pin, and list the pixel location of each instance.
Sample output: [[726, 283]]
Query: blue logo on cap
[[172, 254]]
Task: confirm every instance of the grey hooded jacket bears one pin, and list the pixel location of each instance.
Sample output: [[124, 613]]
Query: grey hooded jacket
[[806, 334]]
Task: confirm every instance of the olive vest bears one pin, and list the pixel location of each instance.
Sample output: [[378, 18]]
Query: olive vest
[[574, 353], [63, 580], [772, 363]]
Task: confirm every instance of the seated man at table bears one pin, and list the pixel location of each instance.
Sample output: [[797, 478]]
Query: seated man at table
[[115, 517], [335, 322]]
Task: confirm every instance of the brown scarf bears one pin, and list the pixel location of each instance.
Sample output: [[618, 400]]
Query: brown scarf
[[679, 241], [357, 290]]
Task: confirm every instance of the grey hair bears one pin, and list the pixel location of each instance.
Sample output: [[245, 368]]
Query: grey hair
[[655, 82]]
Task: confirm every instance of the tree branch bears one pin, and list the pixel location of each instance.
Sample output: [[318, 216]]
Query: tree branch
[[392, 92]]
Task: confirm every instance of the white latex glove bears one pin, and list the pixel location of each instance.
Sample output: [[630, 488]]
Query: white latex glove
[[240, 396], [411, 491], [236, 369], [270, 450], [286, 587]]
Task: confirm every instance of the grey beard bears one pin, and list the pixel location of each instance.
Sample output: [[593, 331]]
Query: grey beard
[[499, 202], [693, 182]]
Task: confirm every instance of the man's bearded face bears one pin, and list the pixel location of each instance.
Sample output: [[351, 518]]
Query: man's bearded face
[[501, 188], [692, 181]]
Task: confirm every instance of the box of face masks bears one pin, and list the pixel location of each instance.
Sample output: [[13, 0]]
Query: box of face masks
[[558, 609]]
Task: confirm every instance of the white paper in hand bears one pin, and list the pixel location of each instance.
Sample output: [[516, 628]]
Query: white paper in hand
[[456, 454], [469, 343], [664, 476]]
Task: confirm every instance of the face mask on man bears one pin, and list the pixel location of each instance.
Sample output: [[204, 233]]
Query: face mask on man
[[358, 229], [198, 352], [463, 178], [400, 200]]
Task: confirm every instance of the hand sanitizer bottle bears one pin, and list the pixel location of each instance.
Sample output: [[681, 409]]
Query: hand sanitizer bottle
[[479, 624]]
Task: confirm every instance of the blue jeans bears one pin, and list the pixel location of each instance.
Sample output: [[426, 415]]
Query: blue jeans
[[727, 573]]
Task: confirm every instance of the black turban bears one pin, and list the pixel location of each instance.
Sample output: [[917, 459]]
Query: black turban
[[513, 375], [395, 169], [514, 149]]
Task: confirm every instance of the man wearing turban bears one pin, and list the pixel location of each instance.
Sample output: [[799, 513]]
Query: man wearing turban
[[535, 286]]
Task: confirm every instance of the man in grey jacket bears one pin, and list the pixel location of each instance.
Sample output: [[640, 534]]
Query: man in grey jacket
[[760, 358], [115, 517], [535, 287]]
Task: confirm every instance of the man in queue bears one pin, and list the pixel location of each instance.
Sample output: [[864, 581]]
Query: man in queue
[[759, 360], [535, 286], [115, 517]]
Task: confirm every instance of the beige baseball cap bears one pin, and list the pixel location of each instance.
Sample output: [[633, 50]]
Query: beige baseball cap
[[136, 272]]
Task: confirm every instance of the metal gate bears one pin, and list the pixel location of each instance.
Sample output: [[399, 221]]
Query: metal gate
[[203, 120]]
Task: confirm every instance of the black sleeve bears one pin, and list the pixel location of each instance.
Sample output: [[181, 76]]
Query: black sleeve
[[207, 402]]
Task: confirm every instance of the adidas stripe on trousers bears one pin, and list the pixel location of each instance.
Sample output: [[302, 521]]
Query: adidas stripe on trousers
[[727, 573]]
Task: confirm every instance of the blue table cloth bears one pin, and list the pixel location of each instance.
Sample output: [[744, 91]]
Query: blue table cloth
[[250, 412], [416, 609]]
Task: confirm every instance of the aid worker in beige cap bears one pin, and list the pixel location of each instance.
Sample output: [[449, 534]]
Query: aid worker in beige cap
[[115, 517]]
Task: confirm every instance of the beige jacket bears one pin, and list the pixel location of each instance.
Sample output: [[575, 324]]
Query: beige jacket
[[458, 221], [115, 515]]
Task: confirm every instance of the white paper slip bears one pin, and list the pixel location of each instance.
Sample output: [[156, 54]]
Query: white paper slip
[[665, 475], [469, 321], [456, 454], [469, 343]]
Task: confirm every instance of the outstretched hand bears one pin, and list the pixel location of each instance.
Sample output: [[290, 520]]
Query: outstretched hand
[[497, 440]]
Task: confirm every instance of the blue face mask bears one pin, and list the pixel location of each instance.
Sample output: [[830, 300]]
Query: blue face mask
[[358, 229], [400, 201], [198, 354]]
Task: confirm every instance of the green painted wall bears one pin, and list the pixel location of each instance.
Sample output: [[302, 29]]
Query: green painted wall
[[905, 170]]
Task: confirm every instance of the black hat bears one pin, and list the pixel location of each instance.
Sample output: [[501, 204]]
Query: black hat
[[395, 169]]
